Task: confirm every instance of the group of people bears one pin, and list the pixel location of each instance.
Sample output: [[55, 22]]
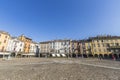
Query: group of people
[[112, 56]]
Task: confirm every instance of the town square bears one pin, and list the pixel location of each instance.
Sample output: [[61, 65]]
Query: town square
[[59, 39], [59, 69]]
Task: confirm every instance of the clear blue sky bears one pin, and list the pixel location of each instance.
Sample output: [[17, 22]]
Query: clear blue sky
[[58, 19]]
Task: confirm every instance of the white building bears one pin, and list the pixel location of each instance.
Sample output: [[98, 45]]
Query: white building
[[15, 45], [33, 47], [56, 48], [60, 46]]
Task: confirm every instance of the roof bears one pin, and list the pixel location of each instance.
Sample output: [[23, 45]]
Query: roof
[[26, 37], [34, 42], [3, 32], [75, 41], [85, 40], [104, 37], [59, 40], [44, 42]]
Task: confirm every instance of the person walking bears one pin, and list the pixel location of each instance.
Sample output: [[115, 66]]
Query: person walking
[[113, 57], [100, 57]]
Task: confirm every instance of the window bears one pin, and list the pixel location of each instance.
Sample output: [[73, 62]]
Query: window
[[94, 45], [98, 45], [108, 45], [15, 43], [5, 36], [2, 48], [117, 44], [4, 41], [19, 50], [21, 45], [102, 41], [72, 45], [103, 45], [65, 43], [99, 50], [14, 49], [97, 40], [95, 50]]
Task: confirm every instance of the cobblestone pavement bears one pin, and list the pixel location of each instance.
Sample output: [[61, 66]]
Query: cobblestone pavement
[[59, 69]]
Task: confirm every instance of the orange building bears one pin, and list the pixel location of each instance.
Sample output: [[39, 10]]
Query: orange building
[[4, 37], [27, 41]]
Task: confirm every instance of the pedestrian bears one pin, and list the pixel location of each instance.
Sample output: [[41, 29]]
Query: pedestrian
[[113, 57], [100, 57]]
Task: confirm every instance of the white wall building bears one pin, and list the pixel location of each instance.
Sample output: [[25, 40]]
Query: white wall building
[[60, 46], [33, 47], [15, 45]]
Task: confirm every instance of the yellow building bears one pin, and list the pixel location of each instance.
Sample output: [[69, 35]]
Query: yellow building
[[74, 47], [27, 41], [101, 45], [106, 45], [4, 37], [85, 47]]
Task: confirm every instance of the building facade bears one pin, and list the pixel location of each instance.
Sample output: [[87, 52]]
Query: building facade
[[100, 45], [33, 47], [74, 47], [61, 46], [55, 46], [15, 45], [105, 45], [27, 41], [85, 46], [45, 47], [4, 38]]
